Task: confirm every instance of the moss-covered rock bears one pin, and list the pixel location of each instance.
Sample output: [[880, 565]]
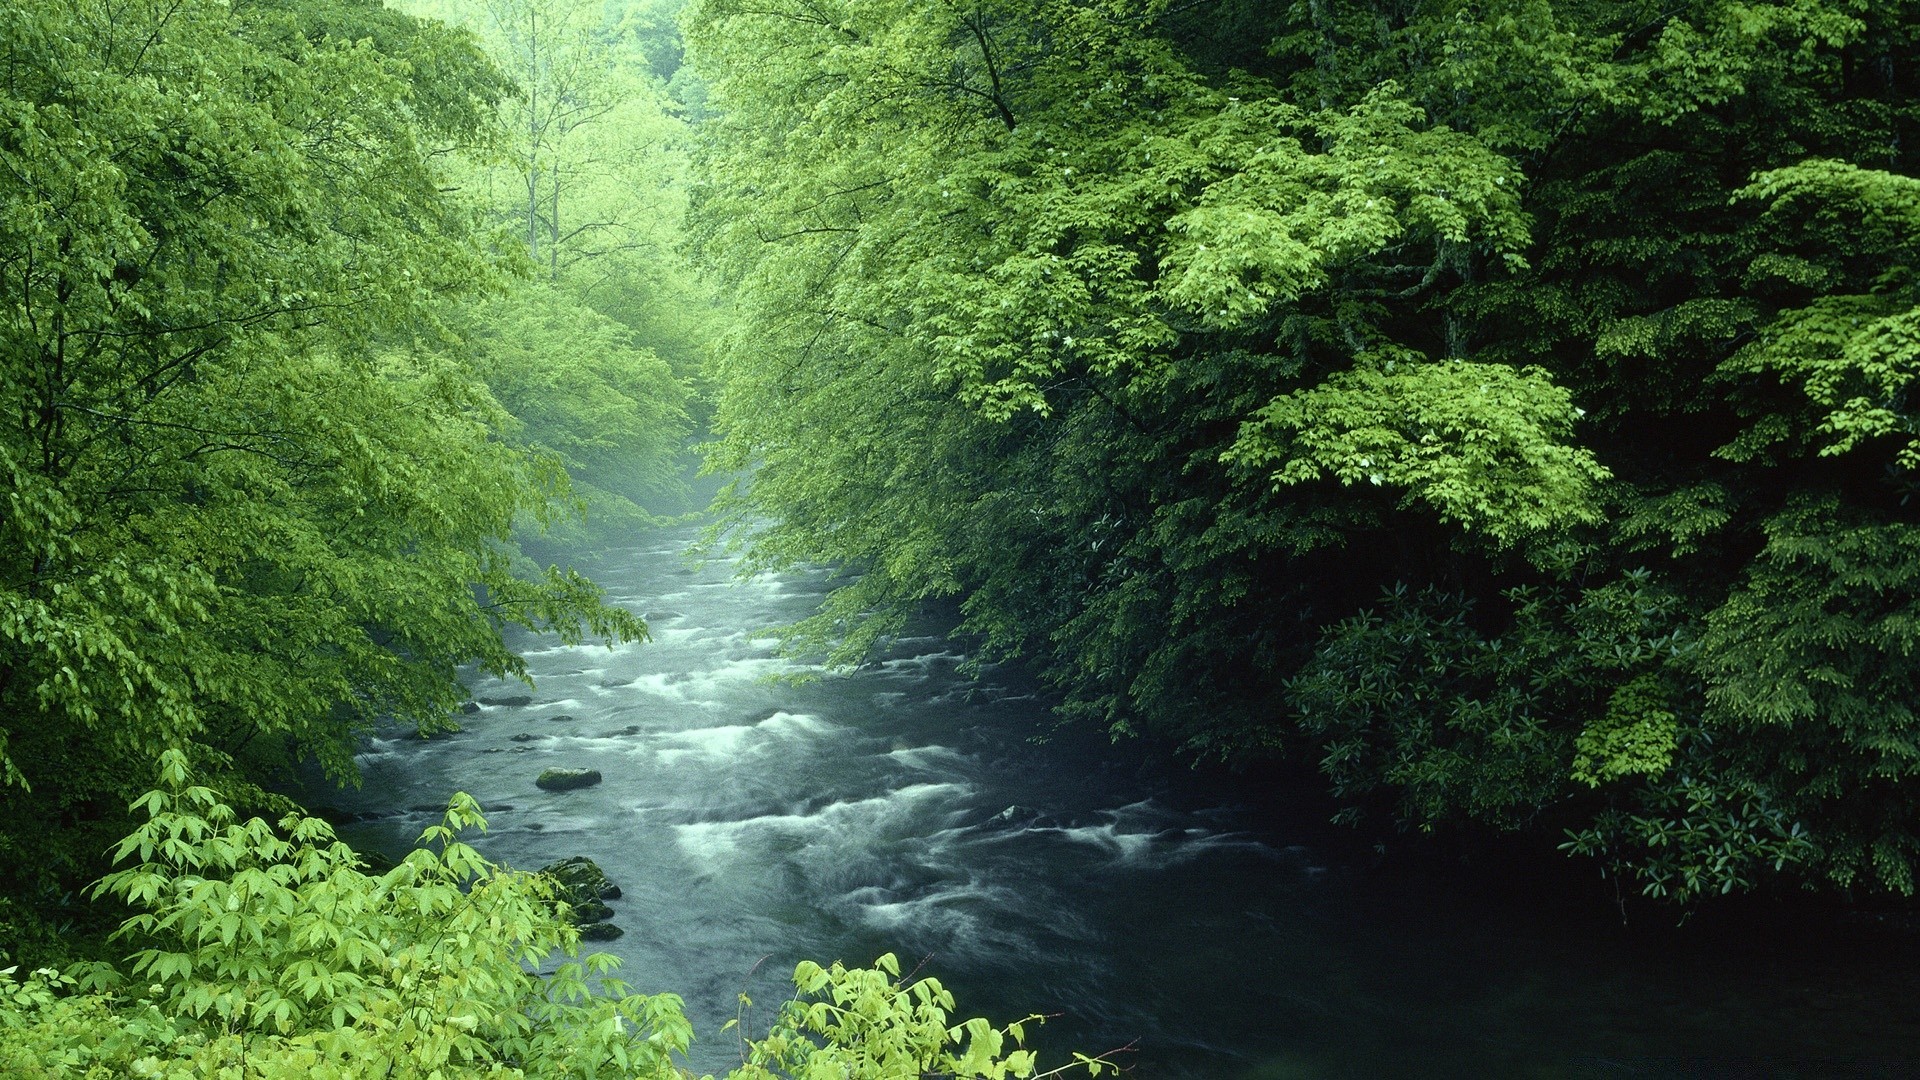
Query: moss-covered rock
[[567, 779], [584, 888], [581, 877]]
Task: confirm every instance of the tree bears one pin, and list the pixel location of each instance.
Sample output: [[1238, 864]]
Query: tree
[[1171, 338], [589, 172], [252, 505]]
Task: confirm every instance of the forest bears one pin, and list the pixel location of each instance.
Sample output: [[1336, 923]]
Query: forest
[[1501, 412]]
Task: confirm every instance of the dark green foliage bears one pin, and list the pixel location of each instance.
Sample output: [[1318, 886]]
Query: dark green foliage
[[1171, 337]]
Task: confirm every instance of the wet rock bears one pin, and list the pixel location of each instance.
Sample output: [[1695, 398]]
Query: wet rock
[[494, 750], [374, 862], [469, 707], [1015, 817], [567, 779], [580, 878], [527, 736], [630, 729], [333, 815], [514, 701], [600, 931], [583, 887], [562, 718], [591, 910]]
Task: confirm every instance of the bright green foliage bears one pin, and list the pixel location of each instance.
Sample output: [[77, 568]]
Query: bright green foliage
[[1170, 337], [270, 951], [270, 954], [1481, 444], [251, 505], [865, 1022], [1637, 734]]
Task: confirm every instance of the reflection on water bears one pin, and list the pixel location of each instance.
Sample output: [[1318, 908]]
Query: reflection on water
[[753, 823]]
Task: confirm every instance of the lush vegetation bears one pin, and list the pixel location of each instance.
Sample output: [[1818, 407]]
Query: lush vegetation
[[315, 311], [271, 954], [1507, 406], [264, 458]]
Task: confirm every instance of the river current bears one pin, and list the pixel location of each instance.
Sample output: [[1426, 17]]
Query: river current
[[905, 808]]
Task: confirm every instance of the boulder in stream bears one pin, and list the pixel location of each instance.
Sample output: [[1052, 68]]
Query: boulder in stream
[[583, 887], [567, 779], [591, 910], [528, 736], [581, 877], [562, 718], [512, 701]]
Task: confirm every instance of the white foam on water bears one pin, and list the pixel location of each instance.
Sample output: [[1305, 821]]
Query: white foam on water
[[916, 666], [720, 742], [786, 723], [687, 631], [670, 685], [739, 740], [857, 823], [1124, 846], [943, 909], [1156, 848], [704, 685], [927, 758], [555, 649]]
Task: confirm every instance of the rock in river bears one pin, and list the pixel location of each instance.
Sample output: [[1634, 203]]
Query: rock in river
[[567, 779], [579, 878], [584, 888], [591, 910]]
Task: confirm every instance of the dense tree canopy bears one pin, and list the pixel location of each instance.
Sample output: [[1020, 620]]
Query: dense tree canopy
[[1505, 405], [256, 499]]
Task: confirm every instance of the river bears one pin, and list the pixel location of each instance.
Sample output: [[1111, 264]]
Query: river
[[1217, 928]]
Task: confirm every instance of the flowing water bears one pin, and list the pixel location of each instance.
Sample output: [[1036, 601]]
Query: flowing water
[[753, 822]]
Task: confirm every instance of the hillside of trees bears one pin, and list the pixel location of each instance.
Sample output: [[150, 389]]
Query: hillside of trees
[[1506, 408]]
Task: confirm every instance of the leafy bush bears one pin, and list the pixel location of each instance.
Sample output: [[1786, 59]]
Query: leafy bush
[[267, 954]]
